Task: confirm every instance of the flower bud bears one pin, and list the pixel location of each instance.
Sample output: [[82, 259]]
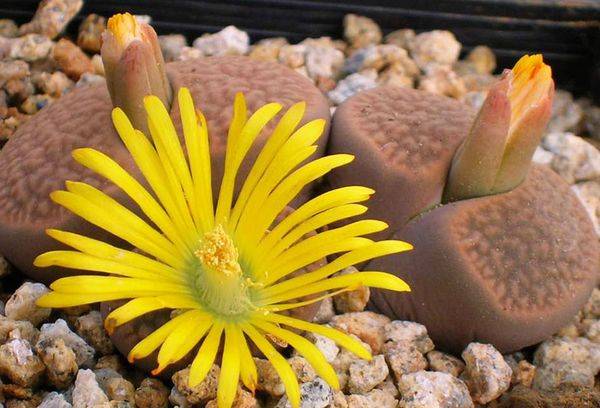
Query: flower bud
[[134, 66], [496, 155]]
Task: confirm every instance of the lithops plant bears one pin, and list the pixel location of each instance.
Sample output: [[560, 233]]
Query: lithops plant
[[224, 269], [36, 161], [504, 251]]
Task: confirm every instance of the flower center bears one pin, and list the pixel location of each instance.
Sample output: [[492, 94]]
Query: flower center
[[220, 281]]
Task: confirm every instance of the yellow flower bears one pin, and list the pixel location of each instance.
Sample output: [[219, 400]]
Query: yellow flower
[[226, 270]]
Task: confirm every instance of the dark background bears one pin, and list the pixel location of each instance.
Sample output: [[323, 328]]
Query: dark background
[[567, 32]]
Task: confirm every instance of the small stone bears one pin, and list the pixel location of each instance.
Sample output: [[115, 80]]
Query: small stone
[[112, 362], [152, 393], [389, 387], [566, 114], [395, 76], [98, 66], [591, 120], [25, 329], [267, 49], [374, 398], [19, 364], [445, 363], [54, 400], [19, 89], [72, 60], [325, 345], [15, 391], [338, 400], [426, 389], [228, 41], [591, 310], [54, 84], [10, 70], [524, 373], [483, 59], [354, 300], [201, 393], [366, 375], [367, 326], [400, 331], [353, 84], [21, 305], [292, 56], [401, 38], [171, 46], [91, 328], [542, 156], [404, 358], [32, 402], [303, 370], [562, 362], [574, 159], [589, 195], [315, 394], [8, 28], [51, 17], [177, 399], [60, 362], [243, 399], [31, 47], [593, 331], [379, 57], [437, 47], [323, 61], [103, 376], [87, 392], [88, 79], [325, 312], [90, 33], [59, 329], [442, 80], [361, 31], [486, 374], [119, 389], [34, 103], [189, 53]]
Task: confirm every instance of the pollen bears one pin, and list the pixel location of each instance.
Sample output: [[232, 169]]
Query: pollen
[[218, 253], [124, 27]]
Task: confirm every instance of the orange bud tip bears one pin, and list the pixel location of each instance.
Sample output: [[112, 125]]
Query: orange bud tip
[[124, 27]]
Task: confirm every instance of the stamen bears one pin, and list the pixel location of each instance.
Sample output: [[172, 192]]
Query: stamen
[[124, 27], [218, 253]]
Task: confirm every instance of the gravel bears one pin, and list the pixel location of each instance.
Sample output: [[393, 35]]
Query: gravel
[[58, 359]]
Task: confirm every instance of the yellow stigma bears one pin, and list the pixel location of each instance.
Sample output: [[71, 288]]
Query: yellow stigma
[[218, 253], [529, 84], [124, 27]]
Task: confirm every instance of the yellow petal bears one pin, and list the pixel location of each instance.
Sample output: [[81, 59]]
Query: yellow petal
[[308, 257], [148, 161], [111, 284], [362, 254], [140, 306], [197, 147], [59, 300], [183, 339], [95, 215], [111, 170], [380, 280], [206, 355], [307, 349], [340, 338], [248, 371], [286, 374], [153, 341], [282, 132], [322, 239], [230, 369], [108, 252], [323, 202], [85, 262]]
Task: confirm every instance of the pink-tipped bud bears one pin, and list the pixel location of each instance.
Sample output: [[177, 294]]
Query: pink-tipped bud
[[134, 66], [496, 155]]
